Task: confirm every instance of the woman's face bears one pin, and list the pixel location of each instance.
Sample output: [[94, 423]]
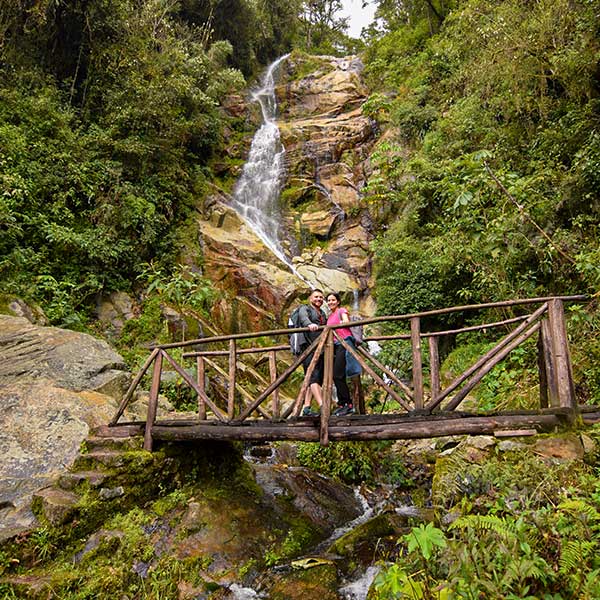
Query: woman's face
[[332, 302]]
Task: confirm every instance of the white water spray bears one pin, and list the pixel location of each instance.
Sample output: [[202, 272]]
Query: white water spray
[[358, 589], [256, 194]]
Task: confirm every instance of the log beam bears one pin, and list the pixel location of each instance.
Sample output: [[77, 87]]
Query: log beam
[[360, 431]]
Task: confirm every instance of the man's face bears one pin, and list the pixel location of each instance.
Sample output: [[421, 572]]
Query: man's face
[[316, 299]]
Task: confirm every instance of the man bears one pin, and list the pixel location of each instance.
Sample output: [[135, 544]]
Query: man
[[313, 317]]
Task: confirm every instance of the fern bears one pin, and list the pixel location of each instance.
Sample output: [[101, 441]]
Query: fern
[[573, 555], [578, 508], [449, 485], [493, 523]]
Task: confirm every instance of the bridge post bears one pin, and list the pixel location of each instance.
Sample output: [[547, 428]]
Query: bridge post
[[561, 355], [231, 391], [417, 361], [327, 387], [153, 401], [546, 367], [434, 362], [273, 375], [201, 378]]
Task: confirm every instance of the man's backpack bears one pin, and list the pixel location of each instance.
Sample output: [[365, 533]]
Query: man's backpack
[[357, 330], [296, 339]]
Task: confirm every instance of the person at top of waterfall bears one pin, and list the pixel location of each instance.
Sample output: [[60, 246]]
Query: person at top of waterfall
[[312, 316], [338, 315]]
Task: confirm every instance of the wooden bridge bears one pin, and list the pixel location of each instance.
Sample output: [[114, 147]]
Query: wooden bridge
[[256, 402]]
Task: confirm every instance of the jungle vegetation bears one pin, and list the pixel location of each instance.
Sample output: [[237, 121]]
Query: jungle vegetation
[[486, 186]]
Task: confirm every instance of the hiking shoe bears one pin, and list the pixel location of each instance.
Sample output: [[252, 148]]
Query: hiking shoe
[[342, 411], [309, 412]]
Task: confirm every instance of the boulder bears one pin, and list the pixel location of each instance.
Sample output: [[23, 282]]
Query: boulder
[[246, 269], [114, 310], [74, 361], [16, 307], [53, 390], [322, 501], [567, 447]]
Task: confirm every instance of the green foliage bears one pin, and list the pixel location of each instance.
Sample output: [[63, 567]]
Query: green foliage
[[510, 385], [443, 189], [424, 538], [351, 462], [488, 171], [182, 288], [94, 182], [532, 532]]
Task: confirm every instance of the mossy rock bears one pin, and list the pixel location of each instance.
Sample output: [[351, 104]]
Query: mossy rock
[[368, 536], [17, 307], [299, 584], [304, 65], [298, 195]]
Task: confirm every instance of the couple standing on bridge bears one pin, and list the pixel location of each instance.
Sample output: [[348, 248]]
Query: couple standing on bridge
[[311, 315]]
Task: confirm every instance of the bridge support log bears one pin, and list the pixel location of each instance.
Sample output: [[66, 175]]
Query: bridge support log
[[417, 362], [345, 429], [153, 401], [201, 378], [327, 387], [561, 357]]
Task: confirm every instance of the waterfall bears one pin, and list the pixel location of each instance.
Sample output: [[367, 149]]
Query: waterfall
[[355, 302], [256, 194]]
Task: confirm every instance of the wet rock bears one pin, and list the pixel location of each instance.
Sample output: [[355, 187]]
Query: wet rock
[[236, 258], [301, 584], [370, 539], [324, 502]]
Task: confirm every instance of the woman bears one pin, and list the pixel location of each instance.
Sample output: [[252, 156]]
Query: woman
[[340, 315]]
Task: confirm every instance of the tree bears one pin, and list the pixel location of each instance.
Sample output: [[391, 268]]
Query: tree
[[321, 24]]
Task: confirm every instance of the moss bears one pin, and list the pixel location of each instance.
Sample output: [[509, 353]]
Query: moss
[[5, 301], [300, 536], [148, 327]]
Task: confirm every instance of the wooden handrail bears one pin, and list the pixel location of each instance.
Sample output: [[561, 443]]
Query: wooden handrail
[[371, 320]]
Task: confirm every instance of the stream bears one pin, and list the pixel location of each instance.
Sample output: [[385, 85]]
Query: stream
[[354, 585]]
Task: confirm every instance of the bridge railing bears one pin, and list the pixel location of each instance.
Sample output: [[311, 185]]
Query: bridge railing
[[271, 402]]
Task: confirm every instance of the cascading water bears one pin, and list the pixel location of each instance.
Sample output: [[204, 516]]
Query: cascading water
[[256, 194]]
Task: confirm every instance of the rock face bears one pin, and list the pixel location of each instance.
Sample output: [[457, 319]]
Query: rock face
[[72, 360], [327, 227], [55, 385]]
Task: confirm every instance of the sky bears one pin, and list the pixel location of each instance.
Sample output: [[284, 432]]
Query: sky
[[359, 17]]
